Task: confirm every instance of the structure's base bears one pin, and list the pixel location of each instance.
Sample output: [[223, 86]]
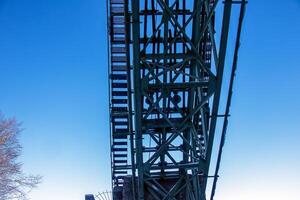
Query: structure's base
[[125, 192]]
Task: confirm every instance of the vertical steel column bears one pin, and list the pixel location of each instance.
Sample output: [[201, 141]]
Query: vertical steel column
[[135, 4], [165, 61], [220, 70], [191, 97], [130, 112]]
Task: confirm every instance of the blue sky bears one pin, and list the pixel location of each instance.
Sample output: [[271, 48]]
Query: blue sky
[[53, 78]]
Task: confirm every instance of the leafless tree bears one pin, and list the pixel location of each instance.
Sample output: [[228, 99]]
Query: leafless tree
[[14, 184]]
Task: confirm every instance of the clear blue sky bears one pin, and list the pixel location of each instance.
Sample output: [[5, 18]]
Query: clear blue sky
[[53, 78]]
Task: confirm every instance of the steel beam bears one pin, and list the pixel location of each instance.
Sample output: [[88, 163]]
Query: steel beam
[[137, 96]]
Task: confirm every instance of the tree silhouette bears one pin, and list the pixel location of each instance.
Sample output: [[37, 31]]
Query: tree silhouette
[[14, 184]]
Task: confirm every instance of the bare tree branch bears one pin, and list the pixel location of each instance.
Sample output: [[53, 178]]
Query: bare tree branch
[[14, 184]]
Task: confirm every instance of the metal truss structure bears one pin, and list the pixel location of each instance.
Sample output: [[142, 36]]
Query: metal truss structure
[[166, 75]]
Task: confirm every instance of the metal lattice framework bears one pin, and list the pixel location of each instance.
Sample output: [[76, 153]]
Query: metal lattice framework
[[165, 85]]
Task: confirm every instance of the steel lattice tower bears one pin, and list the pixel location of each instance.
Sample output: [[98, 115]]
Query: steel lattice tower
[[166, 76]]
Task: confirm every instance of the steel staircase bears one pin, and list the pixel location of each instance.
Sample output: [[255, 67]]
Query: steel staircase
[[119, 91]]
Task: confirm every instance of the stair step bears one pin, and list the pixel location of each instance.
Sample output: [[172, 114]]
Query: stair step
[[119, 101], [118, 30], [117, 20], [118, 77], [120, 155], [120, 177], [118, 50], [119, 115], [117, 1], [119, 109], [120, 166], [120, 161], [120, 172], [119, 85], [119, 59], [119, 136], [119, 93], [118, 40], [120, 143], [121, 130], [119, 68], [117, 10], [119, 149], [121, 123]]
